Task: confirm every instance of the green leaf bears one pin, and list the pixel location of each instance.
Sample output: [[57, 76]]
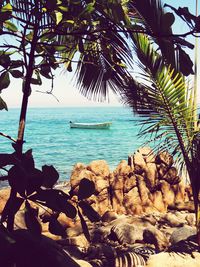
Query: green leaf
[[3, 104], [6, 8], [70, 21], [63, 8], [4, 80], [29, 36], [86, 188], [60, 48], [10, 26], [89, 8], [31, 219], [50, 175], [59, 17], [16, 73]]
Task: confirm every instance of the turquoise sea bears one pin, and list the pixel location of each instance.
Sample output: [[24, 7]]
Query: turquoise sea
[[54, 143]]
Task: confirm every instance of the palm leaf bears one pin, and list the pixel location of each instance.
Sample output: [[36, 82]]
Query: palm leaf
[[163, 101], [151, 15]]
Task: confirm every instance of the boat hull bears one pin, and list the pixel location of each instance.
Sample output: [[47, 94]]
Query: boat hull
[[103, 125]]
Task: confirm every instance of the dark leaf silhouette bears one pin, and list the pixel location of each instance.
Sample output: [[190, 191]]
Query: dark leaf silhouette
[[28, 161], [55, 200], [88, 211], [84, 226], [17, 179], [4, 62], [31, 219], [6, 244], [7, 159], [56, 228], [12, 206], [186, 63], [50, 175], [34, 181], [70, 210], [4, 80], [3, 104], [16, 73], [183, 12], [86, 188]]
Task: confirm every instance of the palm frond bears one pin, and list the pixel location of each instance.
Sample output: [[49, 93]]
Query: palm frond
[[158, 23], [102, 67], [164, 101]]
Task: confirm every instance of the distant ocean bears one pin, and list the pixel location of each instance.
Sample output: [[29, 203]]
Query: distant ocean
[[54, 143]]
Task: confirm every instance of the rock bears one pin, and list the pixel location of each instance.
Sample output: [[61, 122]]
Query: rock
[[139, 163], [126, 233], [164, 157], [132, 202], [78, 175], [158, 202], [179, 190], [147, 154], [181, 206], [123, 169], [151, 235], [166, 259], [143, 191], [99, 167], [79, 241], [171, 176], [109, 216], [162, 170], [182, 233], [130, 162], [173, 221], [83, 263], [117, 188], [4, 196], [167, 193], [191, 220], [151, 174], [129, 183]]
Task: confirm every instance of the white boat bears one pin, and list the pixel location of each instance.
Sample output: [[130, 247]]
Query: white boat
[[96, 125]]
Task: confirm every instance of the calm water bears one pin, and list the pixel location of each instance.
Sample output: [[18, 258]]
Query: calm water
[[54, 143]]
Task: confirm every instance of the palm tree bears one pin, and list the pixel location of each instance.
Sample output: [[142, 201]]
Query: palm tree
[[162, 95]]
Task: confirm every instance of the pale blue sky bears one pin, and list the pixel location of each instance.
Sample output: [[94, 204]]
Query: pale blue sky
[[64, 90]]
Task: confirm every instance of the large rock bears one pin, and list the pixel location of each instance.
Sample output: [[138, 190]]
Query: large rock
[[164, 157], [99, 167], [166, 259], [182, 233], [146, 183], [4, 195]]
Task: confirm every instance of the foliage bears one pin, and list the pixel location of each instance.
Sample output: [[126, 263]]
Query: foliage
[[163, 97], [96, 36]]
